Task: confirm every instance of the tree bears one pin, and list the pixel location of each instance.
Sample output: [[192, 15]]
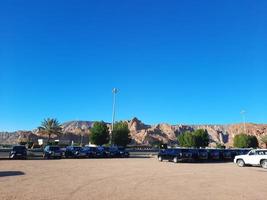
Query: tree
[[121, 134], [264, 140], [50, 127], [198, 138], [187, 139], [202, 138], [245, 141], [99, 133]]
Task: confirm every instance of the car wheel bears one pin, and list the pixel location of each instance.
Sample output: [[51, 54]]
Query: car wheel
[[241, 163], [160, 159], [175, 160], [264, 164]]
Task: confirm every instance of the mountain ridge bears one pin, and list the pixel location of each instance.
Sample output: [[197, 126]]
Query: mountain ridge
[[146, 134]]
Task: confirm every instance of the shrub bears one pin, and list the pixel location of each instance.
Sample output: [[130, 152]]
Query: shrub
[[245, 141]]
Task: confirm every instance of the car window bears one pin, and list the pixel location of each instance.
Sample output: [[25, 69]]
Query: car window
[[54, 148], [252, 153], [76, 148], [19, 148]]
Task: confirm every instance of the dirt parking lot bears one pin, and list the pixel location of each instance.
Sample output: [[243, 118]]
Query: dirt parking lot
[[118, 179]]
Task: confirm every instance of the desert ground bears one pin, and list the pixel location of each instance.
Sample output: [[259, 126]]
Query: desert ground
[[133, 178]]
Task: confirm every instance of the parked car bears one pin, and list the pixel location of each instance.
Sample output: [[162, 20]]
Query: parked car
[[254, 157], [76, 152], [186, 154], [202, 154], [18, 152], [114, 152], [227, 154], [102, 152], [174, 155], [52, 152], [118, 152], [123, 152], [91, 152], [214, 154]]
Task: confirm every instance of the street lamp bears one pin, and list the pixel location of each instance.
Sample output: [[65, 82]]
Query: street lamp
[[243, 112], [114, 92]]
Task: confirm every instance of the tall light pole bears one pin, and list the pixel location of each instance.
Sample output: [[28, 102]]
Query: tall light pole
[[114, 92], [243, 112]]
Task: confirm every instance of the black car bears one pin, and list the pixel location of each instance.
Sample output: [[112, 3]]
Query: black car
[[91, 152], [76, 152], [214, 154], [104, 152], [227, 154], [118, 152], [52, 152], [202, 154], [123, 152], [174, 155], [114, 152], [187, 154], [18, 152]]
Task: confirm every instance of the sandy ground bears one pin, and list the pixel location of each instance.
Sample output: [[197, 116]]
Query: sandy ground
[[128, 179]]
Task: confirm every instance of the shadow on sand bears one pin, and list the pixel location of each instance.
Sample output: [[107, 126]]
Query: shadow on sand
[[11, 173]]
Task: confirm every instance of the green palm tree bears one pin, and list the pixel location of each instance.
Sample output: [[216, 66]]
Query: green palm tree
[[50, 127]]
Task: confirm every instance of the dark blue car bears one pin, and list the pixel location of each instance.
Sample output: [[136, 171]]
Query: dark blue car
[[91, 152], [18, 152], [52, 152], [75, 152], [174, 155]]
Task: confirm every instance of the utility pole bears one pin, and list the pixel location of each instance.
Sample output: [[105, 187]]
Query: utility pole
[[243, 112], [114, 92]]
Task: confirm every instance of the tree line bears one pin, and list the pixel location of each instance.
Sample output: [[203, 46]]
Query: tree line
[[200, 138], [100, 133]]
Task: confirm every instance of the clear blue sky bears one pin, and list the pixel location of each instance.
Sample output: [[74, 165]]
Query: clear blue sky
[[174, 61]]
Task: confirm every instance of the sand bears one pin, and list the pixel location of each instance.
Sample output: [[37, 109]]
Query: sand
[[133, 178]]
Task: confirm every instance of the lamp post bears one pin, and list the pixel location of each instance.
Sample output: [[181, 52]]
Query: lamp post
[[243, 112], [114, 92]]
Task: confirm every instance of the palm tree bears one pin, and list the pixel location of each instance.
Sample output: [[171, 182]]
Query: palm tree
[[50, 127]]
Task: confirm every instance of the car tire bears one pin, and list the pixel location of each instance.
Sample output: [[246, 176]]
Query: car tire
[[240, 163], [160, 159], [264, 164], [175, 160]]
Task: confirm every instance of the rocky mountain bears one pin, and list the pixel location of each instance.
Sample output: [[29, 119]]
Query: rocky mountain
[[78, 131]]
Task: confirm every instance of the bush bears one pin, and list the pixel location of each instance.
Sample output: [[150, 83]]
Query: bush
[[99, 133], [245, 141]]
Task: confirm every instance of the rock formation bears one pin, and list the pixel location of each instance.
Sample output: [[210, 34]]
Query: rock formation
[[145, 134]]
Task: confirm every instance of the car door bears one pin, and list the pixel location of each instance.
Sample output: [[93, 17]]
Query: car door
[[251, 158]]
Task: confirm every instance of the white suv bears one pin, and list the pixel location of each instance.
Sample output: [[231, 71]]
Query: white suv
[[256, 157]]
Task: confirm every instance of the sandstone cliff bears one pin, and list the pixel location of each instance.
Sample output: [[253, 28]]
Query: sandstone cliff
[[141, 133]]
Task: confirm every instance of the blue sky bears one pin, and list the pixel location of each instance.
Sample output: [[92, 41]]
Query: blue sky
[[184, 61]]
